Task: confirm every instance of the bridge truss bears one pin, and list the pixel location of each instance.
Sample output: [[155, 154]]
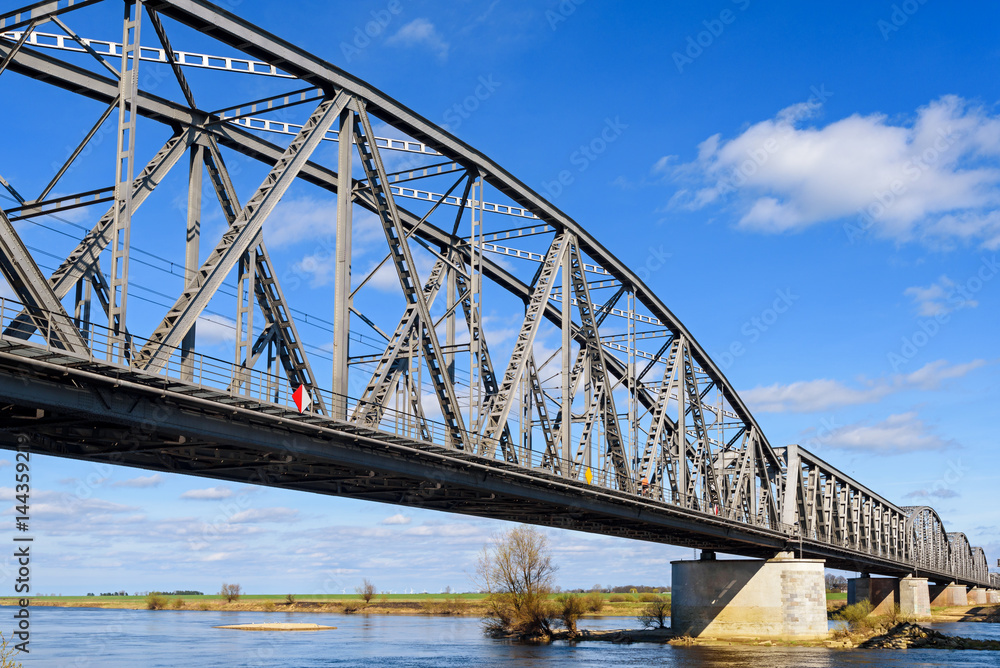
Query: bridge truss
[[597, 411]]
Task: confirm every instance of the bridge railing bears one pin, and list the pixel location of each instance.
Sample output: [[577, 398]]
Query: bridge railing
[[272, 389]]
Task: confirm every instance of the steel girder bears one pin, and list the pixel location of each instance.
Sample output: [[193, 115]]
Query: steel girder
[[705, 456]]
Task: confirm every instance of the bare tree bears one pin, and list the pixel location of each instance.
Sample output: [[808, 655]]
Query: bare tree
[[516, 571], [366, 591], [655, 615], [230, 592]]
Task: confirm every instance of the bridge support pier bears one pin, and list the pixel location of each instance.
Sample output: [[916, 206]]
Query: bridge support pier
[[882, 592], [911, 594], [914, 597], [977, 596], [782, 597], [943, 596]]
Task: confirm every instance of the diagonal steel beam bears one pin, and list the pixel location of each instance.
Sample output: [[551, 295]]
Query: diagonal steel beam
[[499, 408], [402, 258], [267, 289], [161, 34], [44, 308], [237, 239]]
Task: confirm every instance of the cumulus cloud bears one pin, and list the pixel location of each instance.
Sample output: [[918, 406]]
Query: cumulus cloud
[[208, 493], [398, 518], [932, 177], [140, 482], [421, 32], [940, 297], [940, 493], [897, 434], [256, 515], [214, 329], [809, 396]]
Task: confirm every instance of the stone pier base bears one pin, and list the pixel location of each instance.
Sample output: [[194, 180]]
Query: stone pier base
[[882, 592], [992, 596], [943, 596], [778, 598], [914, 598], [977, 596]]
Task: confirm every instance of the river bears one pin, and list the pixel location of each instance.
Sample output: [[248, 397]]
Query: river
[[82, 637]]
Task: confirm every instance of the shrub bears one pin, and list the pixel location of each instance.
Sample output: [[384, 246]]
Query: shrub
[[655, 615], [617, 598], [155, 601], [269, 606], [570, 609], [177, 603], [204, 605], [289, 599], [230, 592], [649, 598], [594, 601], [858, 616]]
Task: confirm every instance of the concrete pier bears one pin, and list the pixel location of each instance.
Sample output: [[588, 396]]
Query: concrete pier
[[977, 596], [782, 597], [943, 596], [992, 596], [914, 597], [882, 592]]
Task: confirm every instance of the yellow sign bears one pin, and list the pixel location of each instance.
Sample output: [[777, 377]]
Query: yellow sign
[[589, 476]]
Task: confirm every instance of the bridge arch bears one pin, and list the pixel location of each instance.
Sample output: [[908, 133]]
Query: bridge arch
[[931, 544]]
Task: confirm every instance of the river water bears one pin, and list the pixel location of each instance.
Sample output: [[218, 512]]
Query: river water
[[82, 637]]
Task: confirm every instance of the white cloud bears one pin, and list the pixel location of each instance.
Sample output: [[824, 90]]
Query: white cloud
[[933, 177], [938, 298], [421, 32], [809, 396], [940, 493], [141, 481], [255, 515], [896, 434], [208, 493], [214, 329], [398, 518]]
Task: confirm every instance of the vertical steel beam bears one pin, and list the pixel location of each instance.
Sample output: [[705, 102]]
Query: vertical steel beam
[[191, 249], [566, 426], [128, 93], [342, 277]]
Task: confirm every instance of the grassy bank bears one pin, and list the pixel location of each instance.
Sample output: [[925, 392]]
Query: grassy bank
[[615, 605]]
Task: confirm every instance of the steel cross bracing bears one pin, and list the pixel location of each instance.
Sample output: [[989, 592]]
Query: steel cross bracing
[[683, 440]]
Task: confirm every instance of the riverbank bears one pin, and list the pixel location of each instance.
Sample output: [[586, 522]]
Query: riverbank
[[472, 605]]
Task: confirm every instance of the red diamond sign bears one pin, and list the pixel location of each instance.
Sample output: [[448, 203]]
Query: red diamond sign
[[302, 398]]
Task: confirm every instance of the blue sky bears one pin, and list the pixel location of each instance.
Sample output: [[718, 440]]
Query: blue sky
[[812, 190]]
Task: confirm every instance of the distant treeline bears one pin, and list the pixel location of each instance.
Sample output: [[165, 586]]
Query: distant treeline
[[624, 589], [179, 592]]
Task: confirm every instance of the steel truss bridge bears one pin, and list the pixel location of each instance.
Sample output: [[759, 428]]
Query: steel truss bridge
[[600, 412]]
